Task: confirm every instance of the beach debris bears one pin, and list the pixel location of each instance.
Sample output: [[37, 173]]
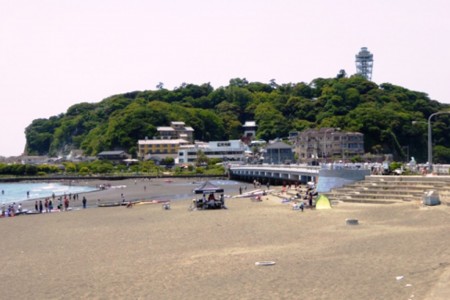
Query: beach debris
[[264, 263], [408, 285], [399, 277], [351, 221]]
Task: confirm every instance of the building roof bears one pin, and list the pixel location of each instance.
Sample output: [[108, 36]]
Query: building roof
[[165, 128], [162, 142], [249, 124], [177, 123], [116, 152], [279, 145]]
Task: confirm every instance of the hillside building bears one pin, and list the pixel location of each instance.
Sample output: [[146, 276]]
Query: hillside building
[[176, 130], [114, 156], [233, 150], [159, 148], [250, 130], [278, 153], [327, 143]]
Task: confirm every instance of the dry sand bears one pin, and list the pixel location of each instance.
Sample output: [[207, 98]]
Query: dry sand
[[398, 251]]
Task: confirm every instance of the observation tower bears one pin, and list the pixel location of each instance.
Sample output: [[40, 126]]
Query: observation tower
[[364, 63]]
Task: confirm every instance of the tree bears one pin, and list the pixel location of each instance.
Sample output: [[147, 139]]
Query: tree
[[341, 74], [202, 159]]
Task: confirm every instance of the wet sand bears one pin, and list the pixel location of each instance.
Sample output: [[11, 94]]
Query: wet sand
[[398, 251]]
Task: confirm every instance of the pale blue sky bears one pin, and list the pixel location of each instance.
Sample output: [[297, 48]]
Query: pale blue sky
[[55, 53]]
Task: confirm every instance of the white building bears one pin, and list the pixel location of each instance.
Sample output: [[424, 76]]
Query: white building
[[250, 129], [233, 150], [177, 130]]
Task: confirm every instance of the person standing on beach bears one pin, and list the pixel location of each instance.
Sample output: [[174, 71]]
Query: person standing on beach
[[41, 206], [66, 203], [46, 205], [84, 202], [36, 206]]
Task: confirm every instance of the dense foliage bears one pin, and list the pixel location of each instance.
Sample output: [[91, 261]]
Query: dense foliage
[[392, 118], [102, 167]]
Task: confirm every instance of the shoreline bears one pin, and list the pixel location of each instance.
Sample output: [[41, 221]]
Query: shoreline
[[134, 189]]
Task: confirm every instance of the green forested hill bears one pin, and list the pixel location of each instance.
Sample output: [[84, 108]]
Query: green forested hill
[[384, 113]]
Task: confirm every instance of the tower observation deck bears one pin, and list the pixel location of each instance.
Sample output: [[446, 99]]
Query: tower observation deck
[[364, 63]]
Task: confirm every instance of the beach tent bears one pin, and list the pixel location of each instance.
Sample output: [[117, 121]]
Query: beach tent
[[208, 188], [323, 202]]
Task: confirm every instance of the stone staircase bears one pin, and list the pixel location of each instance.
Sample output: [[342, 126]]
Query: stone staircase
[[392, 189]]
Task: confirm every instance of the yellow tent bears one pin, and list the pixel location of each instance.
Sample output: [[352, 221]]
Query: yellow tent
[[323, 202]]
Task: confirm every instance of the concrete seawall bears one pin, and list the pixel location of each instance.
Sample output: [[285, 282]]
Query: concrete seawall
[[329, 179]]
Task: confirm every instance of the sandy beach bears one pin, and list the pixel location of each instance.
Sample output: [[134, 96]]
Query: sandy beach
[[398, 251]]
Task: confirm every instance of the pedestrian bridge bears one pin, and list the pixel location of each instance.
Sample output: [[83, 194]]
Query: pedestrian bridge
[[326, 177], [276, 174]]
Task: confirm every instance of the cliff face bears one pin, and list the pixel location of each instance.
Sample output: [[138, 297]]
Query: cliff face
[[383, 113]]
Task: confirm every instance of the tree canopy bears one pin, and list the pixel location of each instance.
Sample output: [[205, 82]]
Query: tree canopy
[[390, 117]]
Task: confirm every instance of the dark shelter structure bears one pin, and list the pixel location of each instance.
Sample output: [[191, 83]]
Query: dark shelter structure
[[209, 199]]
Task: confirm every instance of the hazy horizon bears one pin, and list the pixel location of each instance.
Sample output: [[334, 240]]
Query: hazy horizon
[[57, 53]]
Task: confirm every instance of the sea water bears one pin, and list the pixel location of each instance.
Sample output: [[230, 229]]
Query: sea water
[[17, 192]]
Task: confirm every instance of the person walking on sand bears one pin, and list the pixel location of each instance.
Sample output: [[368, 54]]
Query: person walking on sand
[[66, 204]]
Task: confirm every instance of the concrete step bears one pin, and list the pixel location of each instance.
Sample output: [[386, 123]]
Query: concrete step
[[370, 201], [401, 183], [392, 189], [410, 178], [378, 197], [378, 192]]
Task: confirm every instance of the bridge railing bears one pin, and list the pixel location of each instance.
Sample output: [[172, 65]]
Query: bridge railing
[[328, 166]]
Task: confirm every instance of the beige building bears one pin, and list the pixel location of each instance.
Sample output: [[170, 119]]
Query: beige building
[[167, 141], [327, 143], [159, 148]]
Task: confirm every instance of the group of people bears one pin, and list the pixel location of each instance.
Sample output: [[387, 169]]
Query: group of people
[[11, 210], [63, 203], [211, 202], [309, 195]]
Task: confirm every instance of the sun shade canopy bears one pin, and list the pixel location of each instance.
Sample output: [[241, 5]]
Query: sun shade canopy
[[208, 188]]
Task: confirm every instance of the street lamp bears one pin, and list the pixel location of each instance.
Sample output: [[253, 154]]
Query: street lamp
[[430, 148]]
